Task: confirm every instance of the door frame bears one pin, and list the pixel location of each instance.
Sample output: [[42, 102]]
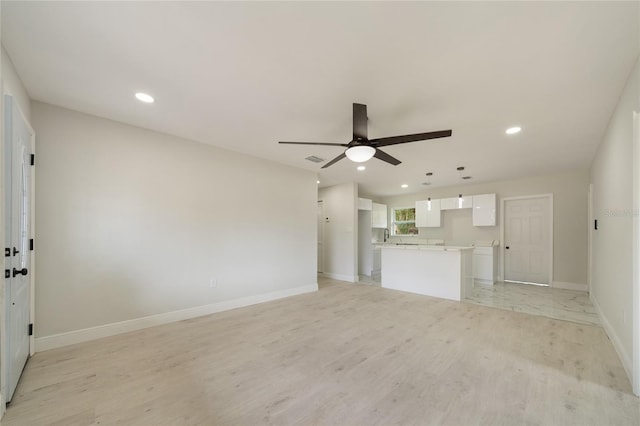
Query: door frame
[[3, 210], [635, 252], [590, 229], [502, 245], [320, 223]]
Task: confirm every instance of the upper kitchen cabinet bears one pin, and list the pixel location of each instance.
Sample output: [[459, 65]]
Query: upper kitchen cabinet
[[364, 204], [378, 215], [484, 210], [456, 203], [428, 214]]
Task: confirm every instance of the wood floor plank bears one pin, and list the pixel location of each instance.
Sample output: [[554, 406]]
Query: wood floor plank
[[346, 355]]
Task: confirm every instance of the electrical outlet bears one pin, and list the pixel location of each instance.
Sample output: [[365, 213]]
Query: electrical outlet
[[213, 283]]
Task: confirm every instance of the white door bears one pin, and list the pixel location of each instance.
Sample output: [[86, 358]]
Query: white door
[[320, 236], [527, 240], [18, 137]]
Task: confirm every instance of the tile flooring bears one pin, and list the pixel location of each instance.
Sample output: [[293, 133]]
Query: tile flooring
[[568, 305], [556, 303]]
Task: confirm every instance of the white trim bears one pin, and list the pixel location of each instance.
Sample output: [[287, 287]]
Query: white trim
[[32, 255], [527, 283], [590, 225], [320, 267], [635, 253], [615, 340], [570, 286], [341, 277], [92, 333], [503, 243]]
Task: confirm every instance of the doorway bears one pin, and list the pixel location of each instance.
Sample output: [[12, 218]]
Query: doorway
[[528, 239], [18, 226]]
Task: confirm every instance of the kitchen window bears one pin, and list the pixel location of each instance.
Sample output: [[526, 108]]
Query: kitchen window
[[404, 221]]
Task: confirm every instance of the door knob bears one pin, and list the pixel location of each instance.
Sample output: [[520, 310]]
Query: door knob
[[507, 247], [22, 271]]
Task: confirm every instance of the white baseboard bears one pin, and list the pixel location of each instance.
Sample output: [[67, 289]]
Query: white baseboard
[[615, 340], [570, 286], [340, 277], [92, 333], [483, 282]]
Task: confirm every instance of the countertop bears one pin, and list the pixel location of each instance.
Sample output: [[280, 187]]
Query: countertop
[[394, 246]]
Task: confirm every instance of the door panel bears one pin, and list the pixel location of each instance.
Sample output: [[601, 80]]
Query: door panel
[[527, 240], [17, 161]]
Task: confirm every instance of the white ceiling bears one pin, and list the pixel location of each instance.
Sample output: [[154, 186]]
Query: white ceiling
[[245, 75]]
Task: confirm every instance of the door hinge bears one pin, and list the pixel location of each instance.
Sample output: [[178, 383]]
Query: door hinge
[[7, 252], [33, 159], [31, 244], [7, 273], [30, 329]]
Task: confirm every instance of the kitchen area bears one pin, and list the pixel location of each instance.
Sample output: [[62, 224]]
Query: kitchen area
[[403, 248], [399, 240]]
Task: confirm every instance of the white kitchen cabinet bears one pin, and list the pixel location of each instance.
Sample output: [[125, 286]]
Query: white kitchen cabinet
[[485, 264], [454, 203], [428, 214], [484, 210], [378, 215], [364, 204]]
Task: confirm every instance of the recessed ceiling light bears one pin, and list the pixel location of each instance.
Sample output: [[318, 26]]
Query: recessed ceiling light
[[143, 97], [317, 181], [513, 130], [404, 185], [361, 168]]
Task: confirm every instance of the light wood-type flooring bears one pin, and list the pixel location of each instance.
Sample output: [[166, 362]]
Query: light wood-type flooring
[[349, 354]]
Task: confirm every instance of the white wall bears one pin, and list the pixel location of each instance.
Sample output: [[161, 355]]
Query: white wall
[[365, 249], [612, 177], [12, 84], [340, 232], [570, 192], [132, 223]]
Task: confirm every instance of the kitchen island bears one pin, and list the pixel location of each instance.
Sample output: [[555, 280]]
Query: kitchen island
[[439, 271]]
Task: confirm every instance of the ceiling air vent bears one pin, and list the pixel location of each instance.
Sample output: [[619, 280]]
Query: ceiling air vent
[[314, 159]]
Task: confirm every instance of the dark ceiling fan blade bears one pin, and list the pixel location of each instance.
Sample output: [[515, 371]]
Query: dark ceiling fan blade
[[381, 155], [315, 143], [335, 160], [359, 121], [394, 140]]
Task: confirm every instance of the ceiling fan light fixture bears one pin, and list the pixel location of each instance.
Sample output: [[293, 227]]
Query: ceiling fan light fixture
[[360, 153]]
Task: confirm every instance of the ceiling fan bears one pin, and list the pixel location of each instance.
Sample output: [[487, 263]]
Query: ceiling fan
[[361, 149]]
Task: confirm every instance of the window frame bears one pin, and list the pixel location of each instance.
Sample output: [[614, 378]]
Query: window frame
[[394, 222]]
